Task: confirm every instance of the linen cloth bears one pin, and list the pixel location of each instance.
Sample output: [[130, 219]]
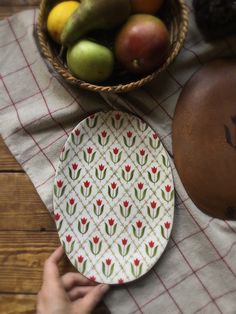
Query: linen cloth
[[197, 272]]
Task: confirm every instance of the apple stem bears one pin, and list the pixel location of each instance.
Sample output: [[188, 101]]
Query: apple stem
[[136, 63]]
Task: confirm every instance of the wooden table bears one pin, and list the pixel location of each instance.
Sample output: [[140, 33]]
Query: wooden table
[[27, 232]]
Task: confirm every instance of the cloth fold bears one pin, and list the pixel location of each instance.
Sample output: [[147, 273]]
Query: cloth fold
[[197, 272]]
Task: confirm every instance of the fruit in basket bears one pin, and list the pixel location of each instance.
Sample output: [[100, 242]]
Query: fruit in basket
[[142, 43], [145, 6], [90, 61], [94, 15], [58, 17]]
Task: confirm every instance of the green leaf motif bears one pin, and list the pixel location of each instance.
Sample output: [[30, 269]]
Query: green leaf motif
[[103, 268], [106, 228], [87, 227], [84, 266], [95, 209], [70, 173], [111, 157], [133, 141], [104, 174], [114, 229], [113, 123], [136, 193], [163, 232], [72, 247], [131, 175], [145, 160], [112, 269], [142, 232], [59, 226], [55, 190], [157, 212], [79, 227], [66, 155], [93, 156], [78, 174], [164, 160], [63, 190], [99, 139], [153, 180], [172, 195], [73, 138], [125, 141], [152, 144], [82, 190], [140, 270], [132, 270], [149, 212], [137, 158], [109, 191], [163, 195], [134, 231], [155, 251], [91, 123], [81, 139], [85, 157], [122, 212], [144, 194], [146, 250], [76, 265], [150, 177], [123, 174], [120, 249], [119, 156], [128, 248], [91, 246], [101, 211], [99, 247]]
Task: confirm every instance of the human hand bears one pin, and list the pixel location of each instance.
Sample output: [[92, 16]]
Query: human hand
[[71, 293]]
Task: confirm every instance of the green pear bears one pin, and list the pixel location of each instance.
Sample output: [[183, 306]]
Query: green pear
[[90, 61], [94, 15]]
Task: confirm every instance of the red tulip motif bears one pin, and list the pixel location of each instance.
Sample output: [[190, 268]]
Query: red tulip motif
[[57, 216], [80, 259]]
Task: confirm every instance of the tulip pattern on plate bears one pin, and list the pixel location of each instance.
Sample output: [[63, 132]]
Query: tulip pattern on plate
[[113, 197]]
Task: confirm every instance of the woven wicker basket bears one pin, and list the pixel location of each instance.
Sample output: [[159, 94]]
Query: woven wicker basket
[[175, 15]]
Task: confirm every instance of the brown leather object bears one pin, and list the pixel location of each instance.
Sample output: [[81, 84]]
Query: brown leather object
[[204, 138]]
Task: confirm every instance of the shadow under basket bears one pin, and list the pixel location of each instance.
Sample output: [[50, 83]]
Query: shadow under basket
[[174, 13]]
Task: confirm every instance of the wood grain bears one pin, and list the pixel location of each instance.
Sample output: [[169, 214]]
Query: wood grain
[[20, 206], [7, 161], [22, 257], [20, 304]]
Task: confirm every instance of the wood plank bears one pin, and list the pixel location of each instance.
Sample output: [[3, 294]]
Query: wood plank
[[26, 304], [22, 256], [7, 160], [20, 206], [20, 304]]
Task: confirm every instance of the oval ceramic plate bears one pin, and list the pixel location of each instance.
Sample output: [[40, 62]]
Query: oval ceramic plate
[[113, 197]]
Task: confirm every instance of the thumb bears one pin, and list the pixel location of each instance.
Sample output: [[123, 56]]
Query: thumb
[[93, 297]]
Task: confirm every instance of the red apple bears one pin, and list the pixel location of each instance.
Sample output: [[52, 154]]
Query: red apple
[[142, 43]]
